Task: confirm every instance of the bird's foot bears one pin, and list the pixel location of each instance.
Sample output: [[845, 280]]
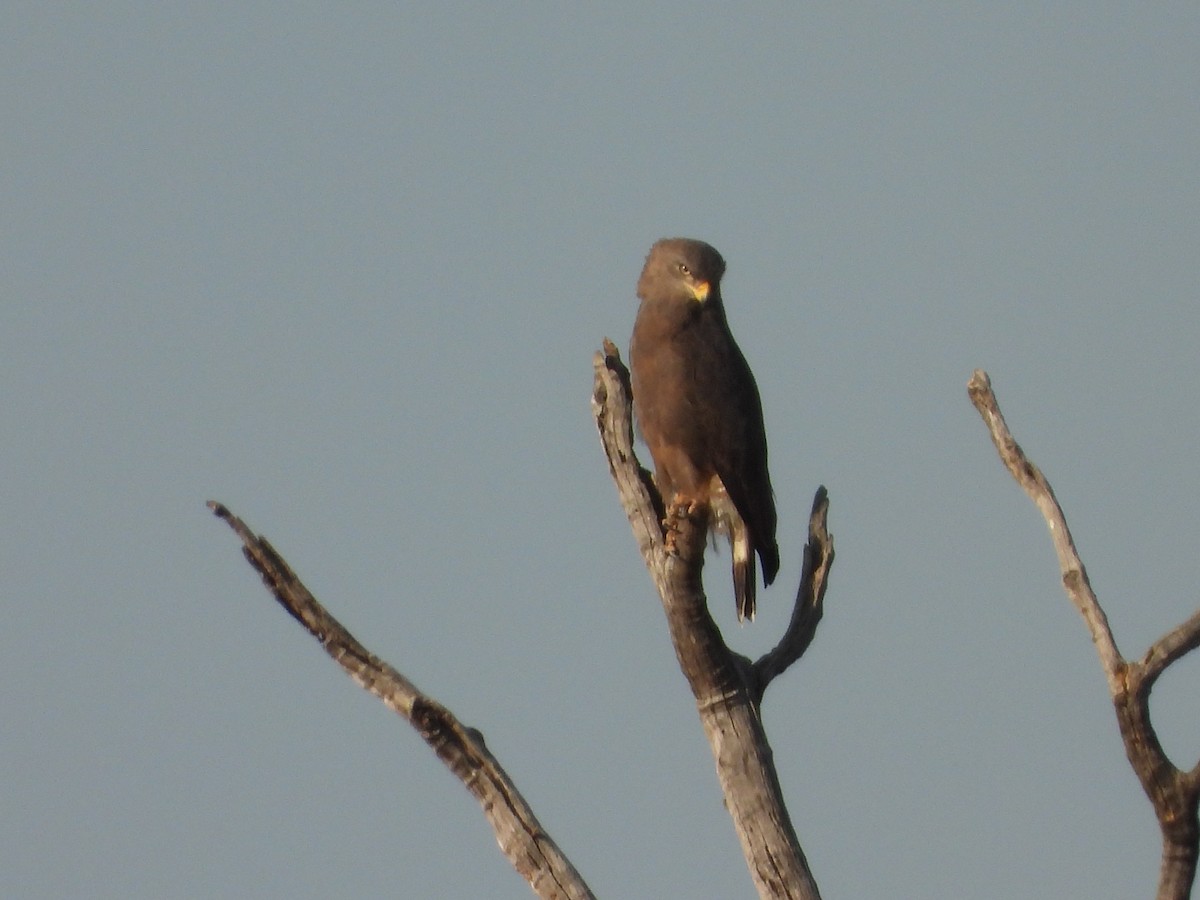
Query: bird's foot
[[679, 510]]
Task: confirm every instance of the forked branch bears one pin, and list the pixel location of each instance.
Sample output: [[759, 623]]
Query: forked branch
[[727, 687], [810, 597], [1175, 794]]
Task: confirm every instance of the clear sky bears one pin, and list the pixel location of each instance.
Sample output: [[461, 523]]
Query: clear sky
[[343, 267]]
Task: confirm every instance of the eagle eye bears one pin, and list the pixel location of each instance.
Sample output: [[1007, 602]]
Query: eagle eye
[[684, 270]]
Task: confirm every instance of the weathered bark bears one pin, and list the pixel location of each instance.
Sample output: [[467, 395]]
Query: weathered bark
[[520, 836], [1174, 794], [728, 688]]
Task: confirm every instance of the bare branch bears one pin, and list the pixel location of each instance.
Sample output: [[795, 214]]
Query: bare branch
[[810, 598], [1173, 645], [1175, 795], [723, 683], [521, 837], [1028, 476]]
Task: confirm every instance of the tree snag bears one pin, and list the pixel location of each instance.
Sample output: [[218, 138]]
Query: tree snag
[[1174, 794], [727, 686]]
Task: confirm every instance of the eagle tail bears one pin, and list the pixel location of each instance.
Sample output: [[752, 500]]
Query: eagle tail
[[745, 576]]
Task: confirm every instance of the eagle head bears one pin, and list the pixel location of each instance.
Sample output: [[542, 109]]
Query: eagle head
[[681, 269]]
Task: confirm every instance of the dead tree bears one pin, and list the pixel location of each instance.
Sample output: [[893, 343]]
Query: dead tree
[[728, 687], [1175, 794]]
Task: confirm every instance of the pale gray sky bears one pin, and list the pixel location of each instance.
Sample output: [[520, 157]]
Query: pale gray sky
[[344, 267]]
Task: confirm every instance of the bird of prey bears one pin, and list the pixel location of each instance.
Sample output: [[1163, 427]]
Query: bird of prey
[[698, 409]]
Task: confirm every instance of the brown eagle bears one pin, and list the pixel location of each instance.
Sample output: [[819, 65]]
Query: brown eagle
[[698, 408]]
